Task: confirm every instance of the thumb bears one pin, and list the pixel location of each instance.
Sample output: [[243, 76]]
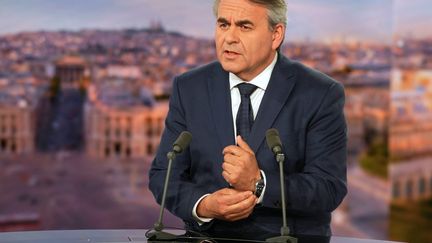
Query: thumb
[[243, 144]]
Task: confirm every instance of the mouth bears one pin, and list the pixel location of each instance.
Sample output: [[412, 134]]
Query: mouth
[[230, 54]]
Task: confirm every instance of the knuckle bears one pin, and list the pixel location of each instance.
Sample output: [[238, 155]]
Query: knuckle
[[223, 211], [218, 202]]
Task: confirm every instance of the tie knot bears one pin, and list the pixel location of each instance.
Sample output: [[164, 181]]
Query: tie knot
[[246, 89]]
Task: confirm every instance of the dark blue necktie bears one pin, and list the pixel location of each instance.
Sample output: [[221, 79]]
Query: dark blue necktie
[[245, 118]]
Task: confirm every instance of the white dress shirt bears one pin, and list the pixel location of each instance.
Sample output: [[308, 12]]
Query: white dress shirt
[[261, 81]]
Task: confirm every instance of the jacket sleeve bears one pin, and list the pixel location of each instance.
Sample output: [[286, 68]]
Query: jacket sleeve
[[321, 184], [182, 192]]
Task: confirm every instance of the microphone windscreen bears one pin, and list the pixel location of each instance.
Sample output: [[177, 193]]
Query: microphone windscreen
[[182, 141], [273, 139]]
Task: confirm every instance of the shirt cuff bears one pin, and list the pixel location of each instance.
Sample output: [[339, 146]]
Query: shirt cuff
[[200, 220], [261, 198]]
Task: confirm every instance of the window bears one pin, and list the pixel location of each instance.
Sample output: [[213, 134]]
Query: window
[[3, 144], [149, 148], [13, 147], [128, 133], [409, 189], [107, 151], [148, 125], [430, 184], [117, 148], [396, 190], [128, 152], [422, 186]]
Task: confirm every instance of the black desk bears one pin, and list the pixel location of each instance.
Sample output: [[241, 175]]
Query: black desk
[[110, 236]]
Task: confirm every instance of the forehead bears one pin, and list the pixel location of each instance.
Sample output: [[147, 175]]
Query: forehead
[[241, 9]]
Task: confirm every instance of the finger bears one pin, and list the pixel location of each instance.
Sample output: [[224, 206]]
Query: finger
[[238, 216], [242, 205], [242, 214], [229, 167], [235, 198], [232, 149], [242, 208], [231, 159], [226, 191], [227, 177], [243, 144]]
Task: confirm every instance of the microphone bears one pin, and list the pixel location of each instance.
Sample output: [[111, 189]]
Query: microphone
[[180, 144], [275, 145], [273, 141]]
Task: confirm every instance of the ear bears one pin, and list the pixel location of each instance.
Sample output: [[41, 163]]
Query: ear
[[278, 35]]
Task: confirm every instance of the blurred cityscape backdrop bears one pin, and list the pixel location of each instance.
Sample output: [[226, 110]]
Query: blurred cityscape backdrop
[[84, 88]]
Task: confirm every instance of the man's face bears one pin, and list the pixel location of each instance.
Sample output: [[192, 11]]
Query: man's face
[[245, 43]]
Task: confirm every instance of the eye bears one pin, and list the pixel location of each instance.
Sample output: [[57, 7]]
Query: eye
[[245, 27], [223, 26]]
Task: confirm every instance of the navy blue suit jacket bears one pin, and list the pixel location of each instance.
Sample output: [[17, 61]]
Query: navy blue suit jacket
[[305, 106]]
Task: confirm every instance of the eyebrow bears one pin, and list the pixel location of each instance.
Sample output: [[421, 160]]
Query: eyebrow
[[238, 23]]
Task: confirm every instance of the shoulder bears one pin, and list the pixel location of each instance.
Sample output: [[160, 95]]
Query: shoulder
[[197, 80], [201, 73]]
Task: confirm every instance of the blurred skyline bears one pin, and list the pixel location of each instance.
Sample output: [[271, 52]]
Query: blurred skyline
[[366, 20]]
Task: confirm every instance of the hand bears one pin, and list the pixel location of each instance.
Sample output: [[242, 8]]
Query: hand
[[240, 167], [227, 204]]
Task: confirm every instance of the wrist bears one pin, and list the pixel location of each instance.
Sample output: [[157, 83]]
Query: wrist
[[254, 180], [258, 175], [259, 186], [201, 209]]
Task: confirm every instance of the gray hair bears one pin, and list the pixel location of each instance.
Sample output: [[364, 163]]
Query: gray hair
[[276, 10]]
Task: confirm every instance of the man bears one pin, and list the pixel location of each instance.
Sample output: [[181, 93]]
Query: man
[[226, 185]]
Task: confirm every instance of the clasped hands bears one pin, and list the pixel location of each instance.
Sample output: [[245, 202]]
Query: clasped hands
[[240, 170]]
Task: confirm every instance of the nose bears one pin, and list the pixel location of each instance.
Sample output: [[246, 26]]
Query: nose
[[231, 35]]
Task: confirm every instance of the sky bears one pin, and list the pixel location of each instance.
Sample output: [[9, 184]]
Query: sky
[[414, 18], [316, 20]]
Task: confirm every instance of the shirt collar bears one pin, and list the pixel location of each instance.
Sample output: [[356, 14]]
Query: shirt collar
[[261, 80]]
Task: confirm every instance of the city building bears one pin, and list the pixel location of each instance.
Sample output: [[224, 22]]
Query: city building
[[411, 179], [122, 121], [410, 141], [19, 103], [124, 134], [411, 121], [71, 71], [354, 115]]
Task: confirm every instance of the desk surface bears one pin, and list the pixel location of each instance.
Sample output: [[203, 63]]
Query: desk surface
[[117, 236]]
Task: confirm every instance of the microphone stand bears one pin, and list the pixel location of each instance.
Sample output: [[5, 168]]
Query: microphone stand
[[159, 234], [284, 237]]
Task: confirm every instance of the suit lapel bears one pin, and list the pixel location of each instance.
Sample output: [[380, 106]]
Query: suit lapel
[[278, 90], [220, 102]]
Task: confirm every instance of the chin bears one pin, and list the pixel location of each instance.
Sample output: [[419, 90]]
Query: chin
[[230, 66]]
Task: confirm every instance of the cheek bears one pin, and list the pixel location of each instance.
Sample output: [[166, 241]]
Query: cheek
[[218, 42], [261, 48]]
